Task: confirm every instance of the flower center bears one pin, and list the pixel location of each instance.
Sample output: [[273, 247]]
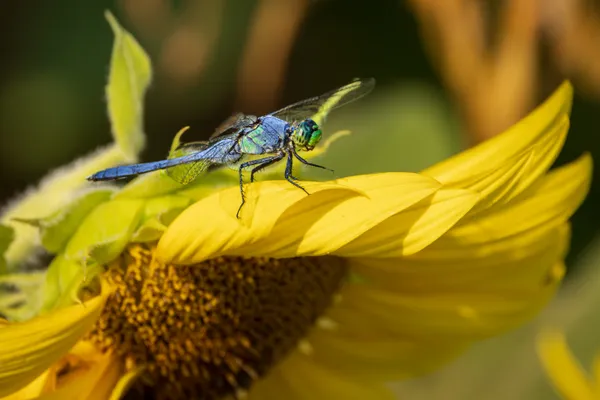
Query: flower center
[[209, 330]]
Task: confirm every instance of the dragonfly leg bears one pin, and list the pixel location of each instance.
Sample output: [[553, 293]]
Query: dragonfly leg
[[288, 174], [262, 162], [267, 161], [303, 161]]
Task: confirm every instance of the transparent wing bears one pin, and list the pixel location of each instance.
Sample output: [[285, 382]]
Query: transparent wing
[[184, 163], [233, 124], [317, 108], [204, 155], [186, 173]]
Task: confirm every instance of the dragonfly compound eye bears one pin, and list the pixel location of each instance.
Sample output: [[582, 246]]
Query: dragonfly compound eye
[[308, 134]]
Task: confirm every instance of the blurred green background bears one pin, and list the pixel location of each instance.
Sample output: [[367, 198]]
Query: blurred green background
[[214, 57]]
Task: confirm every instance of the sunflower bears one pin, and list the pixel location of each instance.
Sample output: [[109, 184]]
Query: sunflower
[[158, 289]]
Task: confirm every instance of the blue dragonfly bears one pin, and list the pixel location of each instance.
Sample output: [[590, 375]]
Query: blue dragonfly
[[276, 135]]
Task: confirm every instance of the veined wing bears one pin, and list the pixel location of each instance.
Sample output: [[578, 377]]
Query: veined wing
[[317, 108], [204, 155], [183, 165], [233, 124]]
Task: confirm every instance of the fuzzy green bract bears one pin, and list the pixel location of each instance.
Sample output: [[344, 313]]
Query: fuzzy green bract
[[129, 77], [56, 211], [7, 234]]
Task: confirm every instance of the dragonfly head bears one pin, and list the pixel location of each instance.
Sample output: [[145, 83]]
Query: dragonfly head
[[307, 134]]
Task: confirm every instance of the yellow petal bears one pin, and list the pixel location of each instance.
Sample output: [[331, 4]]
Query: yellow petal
[[303, 230], [124, 384], [500, 185], [379, 357], [91, 378], [285, 222], [273, 386], [462, 316], [493, 153], [518, 262], [29, 348], [309, 380], [210, 228], [563, 369], [596, 373], [414, 228], [550, 203], [33, 390]]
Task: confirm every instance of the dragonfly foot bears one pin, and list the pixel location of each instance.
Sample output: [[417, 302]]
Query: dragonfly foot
[[289, 179], [237, 214]]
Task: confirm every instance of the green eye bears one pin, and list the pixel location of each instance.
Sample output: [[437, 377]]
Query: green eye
[[315, 137], [308, 134]]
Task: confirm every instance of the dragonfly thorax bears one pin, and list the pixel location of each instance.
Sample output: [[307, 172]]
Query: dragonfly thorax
[[306, 134]]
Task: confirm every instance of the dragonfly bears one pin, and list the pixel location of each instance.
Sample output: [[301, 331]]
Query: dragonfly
[[275, 136]]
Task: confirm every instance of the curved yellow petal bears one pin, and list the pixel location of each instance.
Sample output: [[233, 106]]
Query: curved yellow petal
[[272, 386], [310, 380], [33, 390], [565, 372], [89, 379], [209, 227], [304, 231], [596, 373], [493, 153], [285, 222], [500, 185], [124, 384], [29, 348], [414, 228], [518, 262], [549, 203], [462, 316], [379, 357]]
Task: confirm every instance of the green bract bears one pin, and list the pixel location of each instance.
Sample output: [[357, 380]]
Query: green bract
[[66, 213], [7, 235], [129, 77]]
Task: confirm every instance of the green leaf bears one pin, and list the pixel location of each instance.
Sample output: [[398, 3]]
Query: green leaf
[[105, 232], [159, 212], [129, 77], [63, 280], [7, 235], [149, 231], [99, 239], [57, 229], [177, 142], [160, 205], [159, 184], [20, 295], [155, 183], [55, 191]]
